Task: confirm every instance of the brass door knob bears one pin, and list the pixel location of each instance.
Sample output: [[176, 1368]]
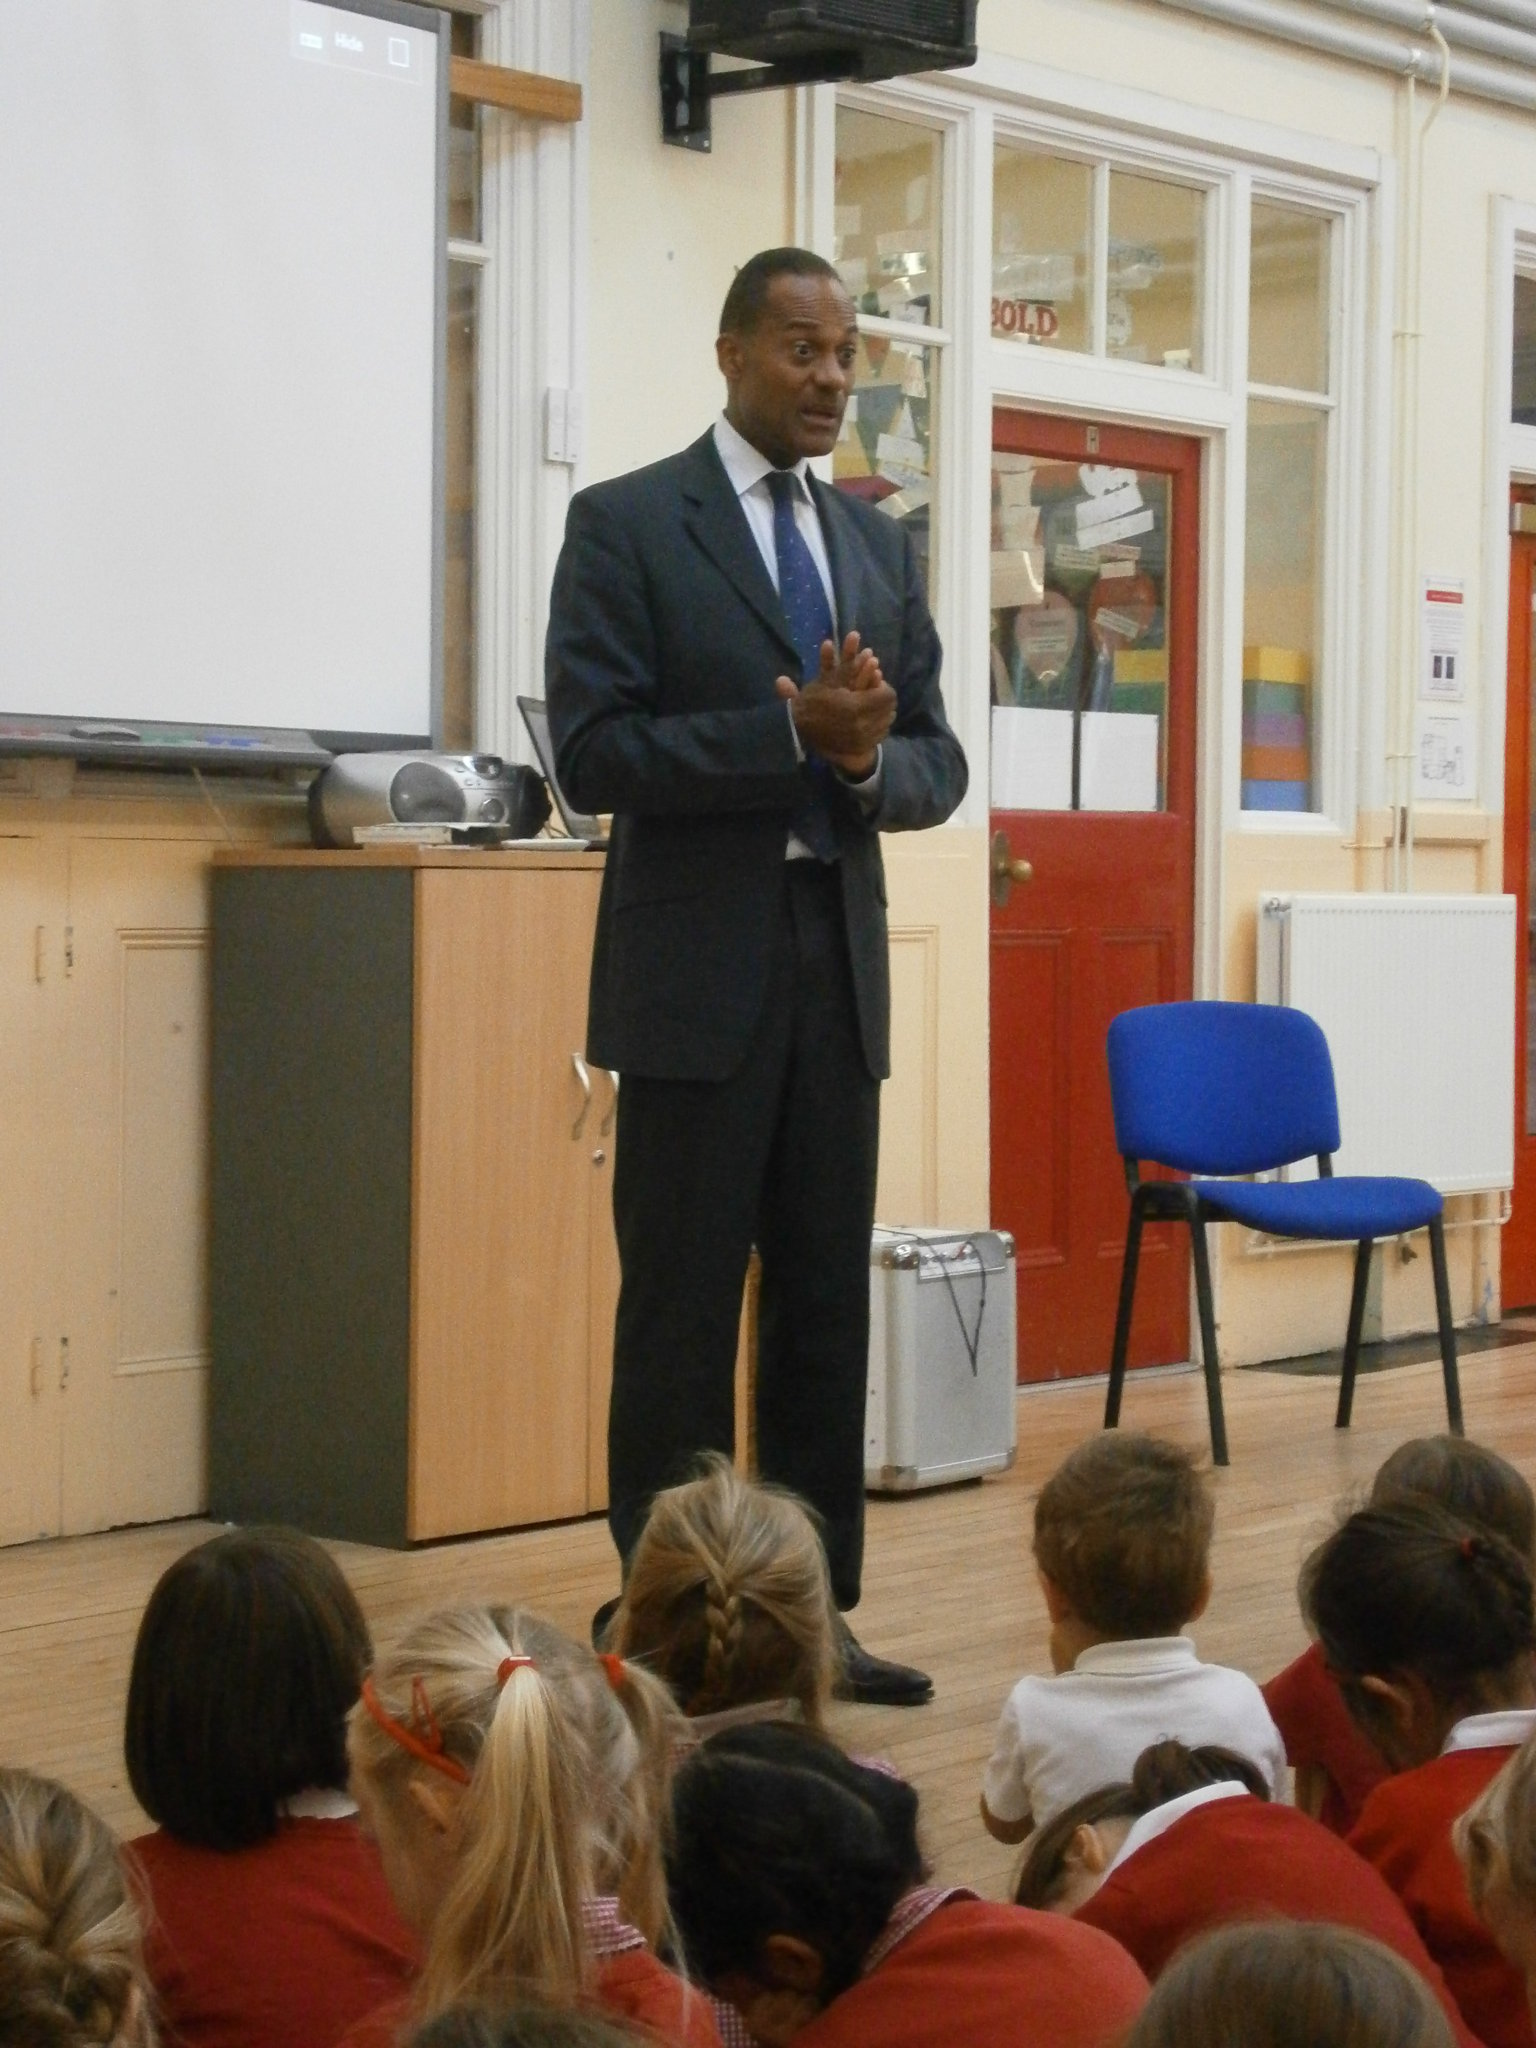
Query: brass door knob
[[1006, 870]]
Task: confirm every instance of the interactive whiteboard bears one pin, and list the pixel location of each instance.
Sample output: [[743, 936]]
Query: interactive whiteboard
[[222, 269]]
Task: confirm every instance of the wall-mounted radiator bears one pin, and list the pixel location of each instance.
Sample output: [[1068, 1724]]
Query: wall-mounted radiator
[[1416, 995]]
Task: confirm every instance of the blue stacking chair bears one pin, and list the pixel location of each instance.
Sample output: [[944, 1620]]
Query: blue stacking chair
[[1240, 1088]]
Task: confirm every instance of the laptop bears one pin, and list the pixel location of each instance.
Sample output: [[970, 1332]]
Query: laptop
[[577, 823]]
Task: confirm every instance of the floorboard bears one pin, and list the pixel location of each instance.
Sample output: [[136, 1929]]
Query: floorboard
[[949, 1580]]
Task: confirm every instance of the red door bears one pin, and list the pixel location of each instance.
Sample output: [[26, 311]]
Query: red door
[[1095, 581], [1518, 1281]]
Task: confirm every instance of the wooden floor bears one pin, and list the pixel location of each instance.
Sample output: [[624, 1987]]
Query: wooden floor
[[948, 1577]]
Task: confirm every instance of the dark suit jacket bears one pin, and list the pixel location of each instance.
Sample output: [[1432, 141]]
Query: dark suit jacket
[[665, 637]]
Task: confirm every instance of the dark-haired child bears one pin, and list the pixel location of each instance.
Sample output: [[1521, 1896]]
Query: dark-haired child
[[1335, 1763], [797, 1889], [1194, 1842], [1429, 1626], [1122, 1543], [272, 1926]]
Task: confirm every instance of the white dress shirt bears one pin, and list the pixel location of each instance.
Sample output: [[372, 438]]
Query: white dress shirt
[[748, 470]]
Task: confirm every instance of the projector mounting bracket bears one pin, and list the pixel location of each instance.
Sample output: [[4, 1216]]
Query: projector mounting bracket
[[688, 86]]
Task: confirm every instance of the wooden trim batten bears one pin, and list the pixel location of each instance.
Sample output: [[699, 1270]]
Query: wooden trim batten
[[516, 92]]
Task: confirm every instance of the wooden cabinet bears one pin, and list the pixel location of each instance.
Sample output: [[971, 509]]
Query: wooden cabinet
[[413, 1273]]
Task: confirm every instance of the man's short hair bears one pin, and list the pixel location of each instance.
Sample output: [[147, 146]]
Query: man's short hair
[[748, 295], [1123, 1527]]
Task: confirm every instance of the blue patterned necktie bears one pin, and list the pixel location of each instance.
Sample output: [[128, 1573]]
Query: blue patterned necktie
[[809, 618]]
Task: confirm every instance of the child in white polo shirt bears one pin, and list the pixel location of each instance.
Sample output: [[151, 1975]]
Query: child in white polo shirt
[[1122, 1544]]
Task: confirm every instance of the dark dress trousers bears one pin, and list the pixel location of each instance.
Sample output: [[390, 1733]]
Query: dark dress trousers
[[744, 998]]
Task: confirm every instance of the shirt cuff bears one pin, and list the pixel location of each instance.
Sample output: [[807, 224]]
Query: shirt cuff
[[867, 792]]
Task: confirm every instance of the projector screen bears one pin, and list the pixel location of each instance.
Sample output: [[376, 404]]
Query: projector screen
[[222, 268]]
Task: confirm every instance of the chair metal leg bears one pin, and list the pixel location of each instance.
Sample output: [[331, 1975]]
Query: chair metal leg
[[1352, 1340], [1447, 1327], [1123, 1317], [1208, 1340]]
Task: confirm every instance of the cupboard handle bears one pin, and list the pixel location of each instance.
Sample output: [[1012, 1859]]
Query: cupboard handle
[[613, 1107], [584, 1076]]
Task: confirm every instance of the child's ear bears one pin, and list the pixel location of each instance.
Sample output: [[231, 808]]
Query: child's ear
[[1057, 1605], [1202, 1598], [1088, 1850], [792, 1964], [436, 1802], [1393, 1711]]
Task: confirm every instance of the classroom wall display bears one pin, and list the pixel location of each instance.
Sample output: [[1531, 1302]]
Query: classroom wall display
[[223, 244]]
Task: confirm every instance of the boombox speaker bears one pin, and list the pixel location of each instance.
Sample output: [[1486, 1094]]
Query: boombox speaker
[[497, 796]]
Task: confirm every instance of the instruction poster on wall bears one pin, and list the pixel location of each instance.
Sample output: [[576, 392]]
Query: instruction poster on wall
[[1445, 730]]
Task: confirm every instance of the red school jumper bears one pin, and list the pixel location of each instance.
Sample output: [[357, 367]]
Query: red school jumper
[[1405, 1830], [971, 1971], [1307, 1707], [1242, 1858], [282, 1945]]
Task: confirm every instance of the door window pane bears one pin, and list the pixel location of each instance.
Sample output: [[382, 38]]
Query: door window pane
[[1288, 298], [1524, 409], [1287, 478], [464, 143], [887, 452], [1042, 221], [1079, 649], [889, 204], [459, 548], [1153, 311]]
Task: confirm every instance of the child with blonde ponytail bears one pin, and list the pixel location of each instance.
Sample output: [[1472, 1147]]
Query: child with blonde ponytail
[[71, 1971], [517, 1787]]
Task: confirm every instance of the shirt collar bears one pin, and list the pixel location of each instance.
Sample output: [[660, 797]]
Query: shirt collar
[[746, 465], [1135, 1659], [1163, 1817], [319, 1802], [1504, 1730]]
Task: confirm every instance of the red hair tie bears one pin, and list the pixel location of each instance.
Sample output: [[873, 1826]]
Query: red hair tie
[[614, 1666], [508, 1665], [424, 1739]]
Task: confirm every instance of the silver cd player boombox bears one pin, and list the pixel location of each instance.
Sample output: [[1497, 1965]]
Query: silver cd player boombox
[[481, 790]]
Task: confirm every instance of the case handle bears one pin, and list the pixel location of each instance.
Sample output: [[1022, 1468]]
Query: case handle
[[584, 1076]]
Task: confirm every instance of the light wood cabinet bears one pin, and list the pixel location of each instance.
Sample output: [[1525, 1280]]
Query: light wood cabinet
[[413, 1269]]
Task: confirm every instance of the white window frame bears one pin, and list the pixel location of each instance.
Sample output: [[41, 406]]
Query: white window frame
[[1232, 157], [532, 340]]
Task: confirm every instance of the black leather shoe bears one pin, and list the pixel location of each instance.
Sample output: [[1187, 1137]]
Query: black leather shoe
[[875, 1681], [602, 1621]]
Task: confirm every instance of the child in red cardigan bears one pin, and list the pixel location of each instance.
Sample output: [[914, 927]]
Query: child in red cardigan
[[1429, 1624], [1193, 1843], [1336, 1766], [796, 1886]]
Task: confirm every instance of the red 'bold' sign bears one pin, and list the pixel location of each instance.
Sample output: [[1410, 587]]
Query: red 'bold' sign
[[1031, 317]]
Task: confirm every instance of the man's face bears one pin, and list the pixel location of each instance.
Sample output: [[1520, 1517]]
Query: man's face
[[789, 376]]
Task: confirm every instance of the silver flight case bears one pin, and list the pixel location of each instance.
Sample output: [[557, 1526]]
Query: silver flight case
[[941, 1401]]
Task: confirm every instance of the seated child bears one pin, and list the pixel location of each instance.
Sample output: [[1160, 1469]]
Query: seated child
[[727, 1601], [1335, 1763], [272, 1926], [1496, 1842], [1289, 1986], [797, 1889], [517, 1787], [71, 1966], [1122, 1542], [1193, 1842], [526, 2025], [1429, 1625]]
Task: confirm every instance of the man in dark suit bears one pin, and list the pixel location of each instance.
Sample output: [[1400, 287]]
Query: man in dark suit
[[743, 669]]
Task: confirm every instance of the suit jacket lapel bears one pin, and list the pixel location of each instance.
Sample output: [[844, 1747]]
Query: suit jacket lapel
[[844, 555], [717, 523]]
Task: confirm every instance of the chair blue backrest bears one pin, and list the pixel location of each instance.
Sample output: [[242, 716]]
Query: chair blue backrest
[[1221, 1087]]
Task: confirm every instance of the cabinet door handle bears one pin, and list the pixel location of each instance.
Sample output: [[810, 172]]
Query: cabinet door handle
[[584, 1076], [613, 1107]]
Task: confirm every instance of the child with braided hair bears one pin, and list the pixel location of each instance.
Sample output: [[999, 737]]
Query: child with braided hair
[[517, 1787], [727, 1601], [71, 1968], [1427, 1623]]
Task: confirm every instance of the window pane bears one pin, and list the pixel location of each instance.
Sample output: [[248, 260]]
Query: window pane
[[459, 550], [1524, 411], [888, 450], [1042, 222], [1282, 604], [464, 144], [888, 208], [1154, 271], [1288, 298]]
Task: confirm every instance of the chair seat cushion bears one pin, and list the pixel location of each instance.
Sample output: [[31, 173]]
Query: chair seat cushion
[[1347, 1206]]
